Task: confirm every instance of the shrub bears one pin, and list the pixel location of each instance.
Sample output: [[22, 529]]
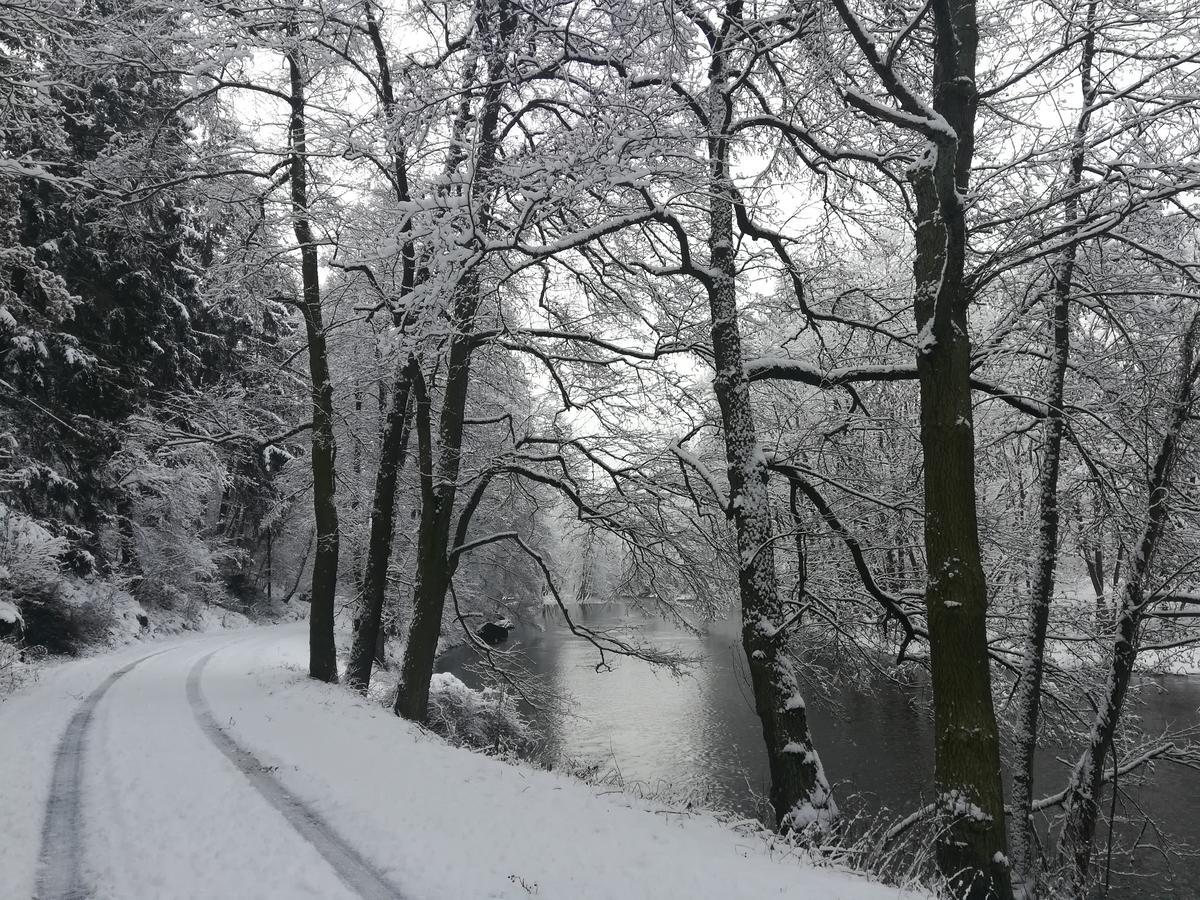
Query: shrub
[[12, 623], [63, 623], [485, 720], [9, 668], [29, 554], [179, 560]]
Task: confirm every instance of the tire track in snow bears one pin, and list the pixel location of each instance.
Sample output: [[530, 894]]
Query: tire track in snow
[[60, 874], [356, 872]]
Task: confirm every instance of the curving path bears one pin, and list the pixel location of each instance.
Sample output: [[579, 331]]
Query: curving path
[[148, 796]]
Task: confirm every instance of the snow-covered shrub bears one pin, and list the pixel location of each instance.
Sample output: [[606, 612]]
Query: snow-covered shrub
[[64, 618], [41, 604], [12, 623], [485, 720], [35, 598], [29, 554], [167, 492], [12, 629]]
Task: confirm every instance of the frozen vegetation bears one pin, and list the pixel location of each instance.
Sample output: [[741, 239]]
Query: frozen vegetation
[[869, 329]]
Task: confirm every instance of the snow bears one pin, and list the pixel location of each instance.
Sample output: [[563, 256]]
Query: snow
[[804, 816], [926, 341], [709, 479], [9, 614], [485, 719], [929, 123], [462, 825], [167, 815], [956, 803]]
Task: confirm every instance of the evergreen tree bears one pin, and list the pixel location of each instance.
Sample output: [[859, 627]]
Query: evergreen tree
[[102, 308]]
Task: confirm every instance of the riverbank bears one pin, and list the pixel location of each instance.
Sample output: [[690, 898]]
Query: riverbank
[[699, 737], [378, 795], [453, 823]]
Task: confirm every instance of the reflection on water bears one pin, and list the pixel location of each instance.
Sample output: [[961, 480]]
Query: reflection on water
[[698, 735]]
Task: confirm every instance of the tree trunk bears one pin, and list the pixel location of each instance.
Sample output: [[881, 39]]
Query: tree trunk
[[128, 560], [1083, 797], [1093, 557], [322, 659], [800, 795], [356, 471], [369, 642], [496, 23], [287, 598], [437, 509], [379, 549], [971, 850], [1028, 697]]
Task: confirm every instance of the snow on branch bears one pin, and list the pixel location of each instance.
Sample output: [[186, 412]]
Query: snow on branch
[[866, 41], [932, 126], [690, 459], [781, 368]]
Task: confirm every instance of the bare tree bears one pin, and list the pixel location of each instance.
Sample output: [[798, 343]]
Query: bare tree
[[322, 661]]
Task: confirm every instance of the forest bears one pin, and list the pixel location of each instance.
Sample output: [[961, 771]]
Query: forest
[[871, 326]]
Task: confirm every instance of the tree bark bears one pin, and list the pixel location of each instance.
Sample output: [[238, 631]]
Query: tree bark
[[369, 641], [800, 794], [322, 659], [356, 472], [379, 548], [1027, 701], [496, 21], [971, 850]]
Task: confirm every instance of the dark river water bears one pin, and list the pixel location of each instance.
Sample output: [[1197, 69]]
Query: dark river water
[[698, 736]]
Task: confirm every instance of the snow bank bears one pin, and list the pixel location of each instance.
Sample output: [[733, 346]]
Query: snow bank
[[445, 822]]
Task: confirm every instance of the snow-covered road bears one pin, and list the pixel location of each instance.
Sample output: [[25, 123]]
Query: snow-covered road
[[142, 801], [62, 830], [210, 767]]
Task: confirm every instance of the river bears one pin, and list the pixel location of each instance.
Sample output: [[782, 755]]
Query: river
[[698, 736]]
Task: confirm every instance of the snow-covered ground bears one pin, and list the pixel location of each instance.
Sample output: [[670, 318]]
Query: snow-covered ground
[[165, 813], [21, 665]]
